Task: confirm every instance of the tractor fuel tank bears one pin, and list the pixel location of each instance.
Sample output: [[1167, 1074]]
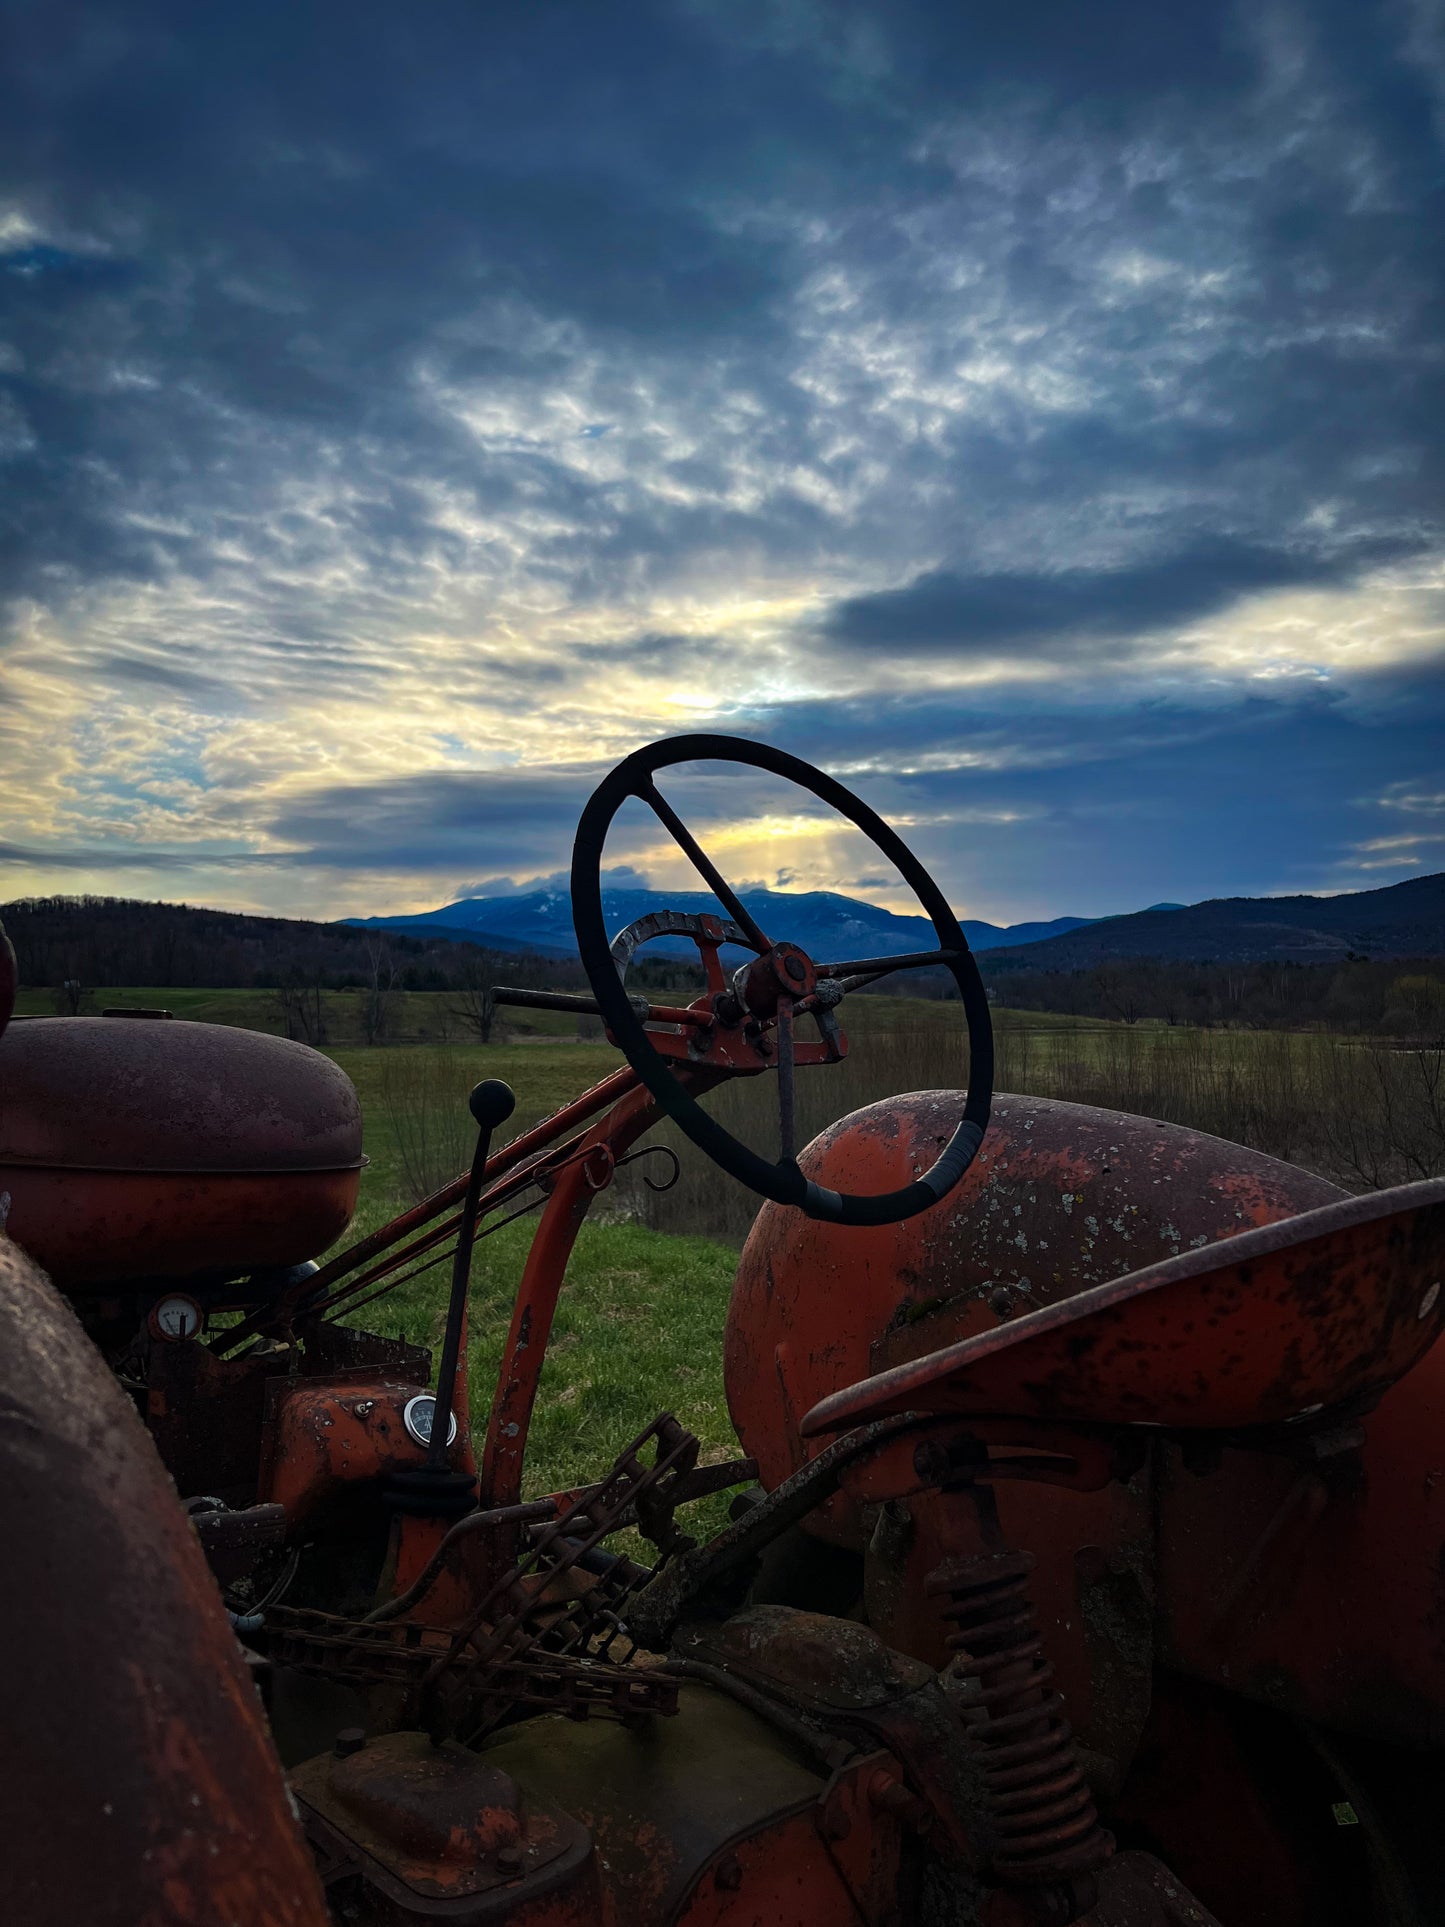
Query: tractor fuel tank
[[133, 1148]]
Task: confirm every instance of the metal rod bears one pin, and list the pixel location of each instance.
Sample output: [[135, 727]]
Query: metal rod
[[501, 1515], [599, 1098], [588, 1006], [491, 1104], [540, 1170], [702, 863], [877, 966]]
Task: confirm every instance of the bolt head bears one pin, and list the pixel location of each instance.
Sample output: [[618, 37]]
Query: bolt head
[[349, 1740], [729, 1874]]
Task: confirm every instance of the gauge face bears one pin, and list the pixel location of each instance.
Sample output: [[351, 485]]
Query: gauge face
[[418, 1419], [175, 1317]]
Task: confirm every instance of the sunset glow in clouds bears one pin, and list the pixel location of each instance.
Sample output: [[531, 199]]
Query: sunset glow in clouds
[[1034, 420]]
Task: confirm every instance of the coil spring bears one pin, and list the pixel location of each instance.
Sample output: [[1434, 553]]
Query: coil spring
[[1044, 1820]]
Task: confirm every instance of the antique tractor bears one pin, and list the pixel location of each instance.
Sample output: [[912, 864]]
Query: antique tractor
[[1087, 1563]]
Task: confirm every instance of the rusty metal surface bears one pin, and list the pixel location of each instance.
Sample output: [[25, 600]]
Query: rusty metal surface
[[700, 1570], [1331, 1307], [854, 1690], [172, 1150], [430, 1828], [205, 1415], [1060, 1197], [1093, 1590], [1313, 1582], [520, 1369], [826, 1662], [234, 1541], [90, 1093], [505, 1621], [208, 1415], [325, 1434], [138, 1784], [1136, 1890], [91, 1229], [714, 1817]]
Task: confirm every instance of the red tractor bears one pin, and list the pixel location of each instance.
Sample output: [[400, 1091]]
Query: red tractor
[[1087, 1562]]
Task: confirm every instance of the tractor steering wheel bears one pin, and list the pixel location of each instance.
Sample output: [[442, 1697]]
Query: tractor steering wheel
[[781, 978]]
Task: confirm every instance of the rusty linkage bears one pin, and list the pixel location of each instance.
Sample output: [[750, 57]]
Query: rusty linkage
[[365, 1652], [525, 1622]]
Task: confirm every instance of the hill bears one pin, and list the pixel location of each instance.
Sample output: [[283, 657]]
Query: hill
[[825, 923], [115, 941], [1402, 920]]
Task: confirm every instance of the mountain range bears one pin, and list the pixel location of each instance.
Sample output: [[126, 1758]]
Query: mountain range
[[1401, 919], [1397, 920], [826, 924]]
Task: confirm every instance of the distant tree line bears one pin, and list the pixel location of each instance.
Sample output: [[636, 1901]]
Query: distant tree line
[[79, 945], [1402, 997]]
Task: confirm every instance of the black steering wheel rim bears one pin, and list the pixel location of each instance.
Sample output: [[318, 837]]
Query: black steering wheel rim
[[782, 1181]]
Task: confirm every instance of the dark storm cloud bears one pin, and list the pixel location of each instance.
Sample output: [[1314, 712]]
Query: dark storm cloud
[[437, 819], [442, 818], [1088, 810], [977, 613]]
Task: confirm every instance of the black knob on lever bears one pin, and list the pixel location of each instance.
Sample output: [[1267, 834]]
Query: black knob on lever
[[491, 1103], [435, 1487]]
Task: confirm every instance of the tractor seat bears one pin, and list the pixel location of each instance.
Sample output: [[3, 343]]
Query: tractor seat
[[1275, 1324]]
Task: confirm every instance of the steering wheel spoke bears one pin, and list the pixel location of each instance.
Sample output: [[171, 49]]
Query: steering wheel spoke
[[787, 1130], [749, 1026], [683, 837]]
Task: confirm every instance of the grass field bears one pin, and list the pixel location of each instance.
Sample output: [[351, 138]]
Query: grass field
[[413, 1016]]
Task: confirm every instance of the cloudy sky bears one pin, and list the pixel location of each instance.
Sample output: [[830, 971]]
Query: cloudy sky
[[1031, 414]]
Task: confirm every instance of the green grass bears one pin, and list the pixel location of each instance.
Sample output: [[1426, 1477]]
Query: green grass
[[638, 1331], [638, 1328], [414, 1016]]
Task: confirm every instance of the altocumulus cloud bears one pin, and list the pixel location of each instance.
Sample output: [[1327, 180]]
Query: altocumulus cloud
[[1035, 413]]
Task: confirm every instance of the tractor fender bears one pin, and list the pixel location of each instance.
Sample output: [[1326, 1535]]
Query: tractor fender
[[139, 1784]]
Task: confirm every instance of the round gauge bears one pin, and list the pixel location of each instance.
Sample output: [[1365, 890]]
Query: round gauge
[[418, 1415], [175, 1317]]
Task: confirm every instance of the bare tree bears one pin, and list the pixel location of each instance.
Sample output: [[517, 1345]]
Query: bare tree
[[472, 1002], [376, 1010], [299, 1003], [1120, 995]]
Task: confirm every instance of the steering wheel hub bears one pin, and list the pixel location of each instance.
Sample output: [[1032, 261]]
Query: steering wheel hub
[[786, 970]]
